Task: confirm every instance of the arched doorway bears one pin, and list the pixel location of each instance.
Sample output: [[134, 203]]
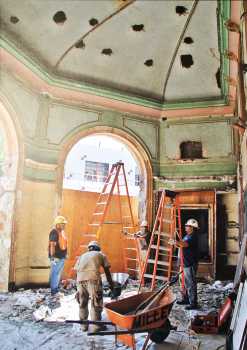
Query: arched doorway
[[9, 161], [78, 202]]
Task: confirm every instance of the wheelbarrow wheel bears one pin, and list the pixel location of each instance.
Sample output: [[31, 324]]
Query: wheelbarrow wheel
[[160, 334]]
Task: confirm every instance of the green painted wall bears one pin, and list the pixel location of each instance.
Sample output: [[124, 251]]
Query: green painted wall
[[48, 124]]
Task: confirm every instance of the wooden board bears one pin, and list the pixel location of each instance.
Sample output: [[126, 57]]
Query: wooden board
[[78, 207]]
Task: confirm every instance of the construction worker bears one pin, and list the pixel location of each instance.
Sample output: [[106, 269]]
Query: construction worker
[[143, 237], [57, 252], [89, 284], [189, 243]]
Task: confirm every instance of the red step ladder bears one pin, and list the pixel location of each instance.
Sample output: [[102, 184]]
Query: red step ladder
[[162, 261], [115, 184]]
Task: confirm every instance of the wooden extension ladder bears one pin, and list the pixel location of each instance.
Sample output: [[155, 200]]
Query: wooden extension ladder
[[115, 184], [161, 262]]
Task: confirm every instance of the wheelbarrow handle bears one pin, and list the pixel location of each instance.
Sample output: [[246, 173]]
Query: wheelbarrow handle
[[120, 332], [163, 287], [88, 322]]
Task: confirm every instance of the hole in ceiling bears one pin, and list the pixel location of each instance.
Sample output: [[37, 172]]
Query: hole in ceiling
[[188, 40], [138, 27], [59, 17], [218, 80], [186, 61], [107, 52], [149, 63], [93, 22], [80, 44], [181, 10], [14, 19]]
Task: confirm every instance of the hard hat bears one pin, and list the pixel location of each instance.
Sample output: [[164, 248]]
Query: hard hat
[[93, 244], [144, 223], [60, 220], [192, 223]]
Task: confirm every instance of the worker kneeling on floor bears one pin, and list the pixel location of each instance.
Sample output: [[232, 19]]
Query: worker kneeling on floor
[[89, 284]]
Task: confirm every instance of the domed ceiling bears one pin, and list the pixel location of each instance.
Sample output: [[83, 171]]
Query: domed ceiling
[[160, 50]]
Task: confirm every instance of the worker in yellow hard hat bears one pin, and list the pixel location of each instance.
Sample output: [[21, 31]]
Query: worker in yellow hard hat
[[57, 252]]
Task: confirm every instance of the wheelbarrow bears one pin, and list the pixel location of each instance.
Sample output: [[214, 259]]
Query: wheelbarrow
[[141, 313]]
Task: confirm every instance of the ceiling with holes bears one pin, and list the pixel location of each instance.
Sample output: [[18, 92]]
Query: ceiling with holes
[[154, 49]]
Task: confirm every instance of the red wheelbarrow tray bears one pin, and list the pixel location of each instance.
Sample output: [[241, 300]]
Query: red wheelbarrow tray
[[122, 312]]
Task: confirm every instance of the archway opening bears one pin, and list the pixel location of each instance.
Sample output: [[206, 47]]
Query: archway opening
[[86, 169]]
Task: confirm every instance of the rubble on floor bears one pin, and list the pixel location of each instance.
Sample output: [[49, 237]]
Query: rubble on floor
[[30, 318]]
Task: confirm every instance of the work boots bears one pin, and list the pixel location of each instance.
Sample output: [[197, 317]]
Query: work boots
[[84, 327]]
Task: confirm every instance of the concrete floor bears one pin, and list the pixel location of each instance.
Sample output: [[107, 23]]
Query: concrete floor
[[19, 331]]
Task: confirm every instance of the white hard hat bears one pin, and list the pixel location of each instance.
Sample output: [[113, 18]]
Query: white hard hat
[[192, 223], [144, 223], [93, 244]]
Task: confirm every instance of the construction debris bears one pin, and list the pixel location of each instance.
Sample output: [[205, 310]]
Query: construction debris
[[36, 316]]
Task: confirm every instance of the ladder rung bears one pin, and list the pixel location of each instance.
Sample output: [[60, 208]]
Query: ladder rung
[[160, 248], [127, 248], [88, 235], [128, 226], [163, 234], [128, 268], [98, 213], [167, 221], [111, 222], [156, 277], [131, 259], [101, 203], [152, 261], [93, 224]]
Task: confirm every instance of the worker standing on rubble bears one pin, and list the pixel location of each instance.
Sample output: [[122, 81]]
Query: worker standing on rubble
[[57, 252], [189, 244], [89, 283]]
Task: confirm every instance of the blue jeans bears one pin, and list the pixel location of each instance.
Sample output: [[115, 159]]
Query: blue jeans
[[190, 283], [55, 274]]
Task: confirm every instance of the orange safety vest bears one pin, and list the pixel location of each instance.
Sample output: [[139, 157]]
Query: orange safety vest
[[62, 240]]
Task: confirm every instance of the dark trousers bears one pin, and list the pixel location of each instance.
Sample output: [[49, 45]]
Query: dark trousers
[[190, 283]]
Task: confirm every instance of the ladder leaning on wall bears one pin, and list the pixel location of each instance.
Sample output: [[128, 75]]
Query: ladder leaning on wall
[[161, 262], [115, 184]]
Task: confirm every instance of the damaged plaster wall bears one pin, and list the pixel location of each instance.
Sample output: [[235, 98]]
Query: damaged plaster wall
[[8, 176], [47, 126]]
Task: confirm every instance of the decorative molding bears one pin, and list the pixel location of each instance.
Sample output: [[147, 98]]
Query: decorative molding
[[139, 127]]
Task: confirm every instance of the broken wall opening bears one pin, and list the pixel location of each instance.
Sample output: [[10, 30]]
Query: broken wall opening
[[227, 244], [82, 186]]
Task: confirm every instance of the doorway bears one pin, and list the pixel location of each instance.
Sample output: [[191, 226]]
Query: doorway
[[202, 216]]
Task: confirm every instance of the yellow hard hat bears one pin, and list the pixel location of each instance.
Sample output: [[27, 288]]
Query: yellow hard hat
[[60, 220]]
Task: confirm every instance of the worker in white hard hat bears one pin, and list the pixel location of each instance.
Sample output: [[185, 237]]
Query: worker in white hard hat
[[89, 283], [57, 252], [189, 245], [143, 238]]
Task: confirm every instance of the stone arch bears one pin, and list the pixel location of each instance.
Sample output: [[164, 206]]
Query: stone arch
[[9, 184], [136, 147]]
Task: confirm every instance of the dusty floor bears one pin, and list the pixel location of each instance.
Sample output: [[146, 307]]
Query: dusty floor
[[20, 330]]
